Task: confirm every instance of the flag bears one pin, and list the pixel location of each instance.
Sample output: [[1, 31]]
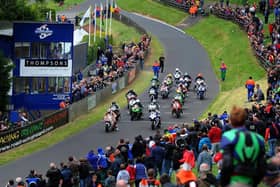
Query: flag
[[95, 12], [101, 20], [86, 15]]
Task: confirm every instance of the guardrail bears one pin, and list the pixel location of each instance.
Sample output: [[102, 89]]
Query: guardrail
[[182, 6], [18, 136]]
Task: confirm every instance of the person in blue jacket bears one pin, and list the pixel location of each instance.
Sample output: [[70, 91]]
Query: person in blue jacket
[[204, 140]]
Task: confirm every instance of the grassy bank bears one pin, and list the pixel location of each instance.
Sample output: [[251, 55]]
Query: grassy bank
[[225, 40], [142, 81], [68, 4], [153, 9]]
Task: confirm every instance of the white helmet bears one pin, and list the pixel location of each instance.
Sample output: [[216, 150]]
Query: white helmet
[[177, 69]]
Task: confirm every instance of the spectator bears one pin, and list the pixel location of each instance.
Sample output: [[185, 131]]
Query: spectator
[[223, 69], [259, 96], [131, 170], [19, 182], [84, 173], [204, 140], [215, 135], [161, 63], [272, 175], [206, 178], [67, 175], [250, 85], [156, 67], [151, 181], [241, 141], [123, 174], [110, 181], [165, 181], [74, 167], [54, 176], [121, 183], [32, 178], [271, 135], [204, 157], [140, 171], [157, 153], [11, 183]]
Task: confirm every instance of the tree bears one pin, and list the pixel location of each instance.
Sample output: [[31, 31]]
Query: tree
[[6, 67]]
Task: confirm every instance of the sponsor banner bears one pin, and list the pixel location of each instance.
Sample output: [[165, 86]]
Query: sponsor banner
[[16, 137], [131, 75], [91, 102], [57, 119], [46, 32], [45, 67]]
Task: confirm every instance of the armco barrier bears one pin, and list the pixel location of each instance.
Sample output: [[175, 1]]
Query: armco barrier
[[15, 137], [78, 108], [19, 136]]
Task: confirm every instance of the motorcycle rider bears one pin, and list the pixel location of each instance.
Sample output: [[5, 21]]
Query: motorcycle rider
[[115, 108], [132, 92], [155, 81], [187, 78], [199, 76], [153, 87], [112, 118], [154, 106], [177, 71]]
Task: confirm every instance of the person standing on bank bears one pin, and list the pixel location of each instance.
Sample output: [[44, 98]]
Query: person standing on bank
[[161, 63], [223, 69]]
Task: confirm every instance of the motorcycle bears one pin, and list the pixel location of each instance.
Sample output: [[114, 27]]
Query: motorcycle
[[153, 93], [201, 90], [179, 97], [164, 92], [154, 83], [187, 82], [110, 120], [155, 118], [176, 109], [177, 76], [136, 112]]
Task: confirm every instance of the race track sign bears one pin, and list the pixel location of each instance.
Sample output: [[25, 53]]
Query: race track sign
[[45, 67]]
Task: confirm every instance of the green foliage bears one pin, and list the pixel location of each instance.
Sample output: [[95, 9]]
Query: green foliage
[[5, 68]]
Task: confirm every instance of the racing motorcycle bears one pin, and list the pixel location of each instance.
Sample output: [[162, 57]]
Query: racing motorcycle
[[201, 90], [177, 76], [136, 111], [176, 108], [154, 116], [164, 92], [131, 97], [116, 110], [153, 93], [110, 121]]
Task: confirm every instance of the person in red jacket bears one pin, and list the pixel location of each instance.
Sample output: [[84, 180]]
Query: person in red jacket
[[131, 170], [215, 135]]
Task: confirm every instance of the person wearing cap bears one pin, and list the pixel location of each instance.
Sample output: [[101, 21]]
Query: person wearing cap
[[223, 69], [272, 175], [243, 153]]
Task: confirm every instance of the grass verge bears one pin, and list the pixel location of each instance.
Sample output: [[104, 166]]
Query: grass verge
[[228, 42], [68, 4], [139, 85], [153, 9]]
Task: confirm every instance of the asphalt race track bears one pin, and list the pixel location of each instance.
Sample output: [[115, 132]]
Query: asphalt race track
[[181, 51]]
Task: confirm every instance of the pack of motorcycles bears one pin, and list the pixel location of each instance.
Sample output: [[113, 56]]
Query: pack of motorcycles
[[182, 84]]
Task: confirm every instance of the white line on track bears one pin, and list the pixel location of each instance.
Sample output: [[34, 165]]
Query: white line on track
[[162, 22]]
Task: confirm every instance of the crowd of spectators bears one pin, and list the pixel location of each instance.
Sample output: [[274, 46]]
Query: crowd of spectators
[[246, 17], [109, 67]]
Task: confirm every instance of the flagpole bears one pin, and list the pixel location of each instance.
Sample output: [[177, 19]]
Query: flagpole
[[100, 22], [94, 36], [106, 21], [111, 13], [89, 27]]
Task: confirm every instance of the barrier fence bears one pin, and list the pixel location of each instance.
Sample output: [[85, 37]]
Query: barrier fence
[[18, 136]]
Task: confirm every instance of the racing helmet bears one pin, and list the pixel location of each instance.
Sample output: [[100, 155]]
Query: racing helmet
[[169, 75], [114, 103], [177, 69], [186, 74], [199, 75]]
